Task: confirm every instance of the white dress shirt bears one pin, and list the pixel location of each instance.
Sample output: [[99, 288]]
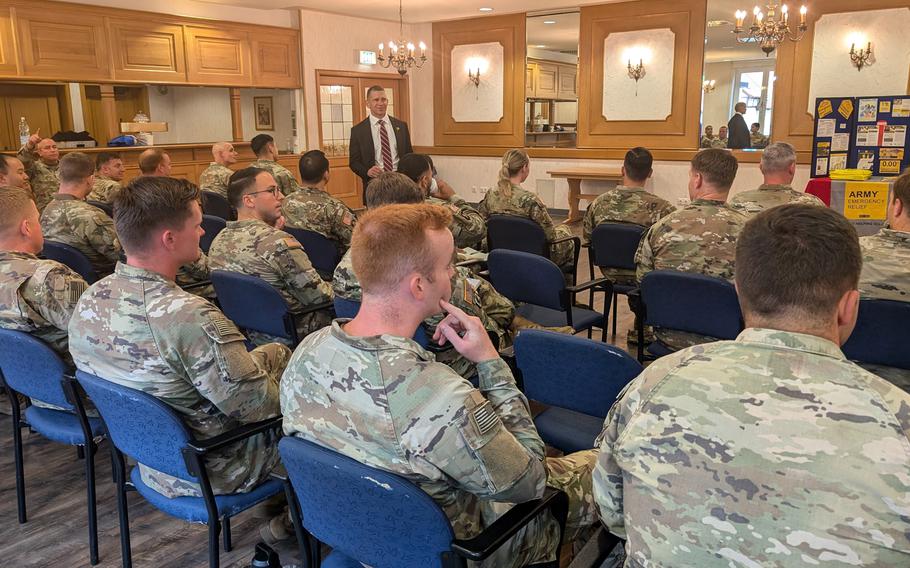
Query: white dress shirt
[[377, 144]]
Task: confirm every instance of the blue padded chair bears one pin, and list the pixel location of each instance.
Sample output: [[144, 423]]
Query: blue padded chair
[[881, 335], [347, 309], [694, 303], [212, 225], [381, 519], [151, 432], [216, 205], [577, 378], [539, 285], [72, 257], [522, 234], [106, 207], [320, 249], [31, 368], [613, 245]]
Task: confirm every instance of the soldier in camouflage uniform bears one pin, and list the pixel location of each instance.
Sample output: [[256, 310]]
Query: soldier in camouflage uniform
[[700, 237], [41, 158], [364, 390], [756, 138], [772, 450], [263, 146], [138, 329], [778, 166], [216, 177], [108, 175], [252, 245], [312, 208], [720, 142], [508, 198], [707, 138], [155, 162], [13, 174]]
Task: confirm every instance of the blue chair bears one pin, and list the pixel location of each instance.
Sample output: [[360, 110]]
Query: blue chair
[[347, 309], [881, 335], [522, 234], [106, 207], [72, 257], [539, 285], [252, 304], [577, 378], [320, 249], [151, 432], [613, 245], [381, 519], [216, 205], [31, 368], [212, 225], [693, 303]]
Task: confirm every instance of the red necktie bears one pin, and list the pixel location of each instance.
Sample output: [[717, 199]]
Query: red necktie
[[385, 147]]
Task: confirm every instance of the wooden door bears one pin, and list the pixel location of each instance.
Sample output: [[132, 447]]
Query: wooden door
[[530, 80], [41, 105], [276, 60], [128, 99], [60, 46], [547, 81], [217, 56], [147, 51], [568, 75]]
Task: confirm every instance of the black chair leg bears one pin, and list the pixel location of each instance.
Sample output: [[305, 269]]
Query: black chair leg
[[20, 467], [615, 297], [304, 540], [125, 552], [226, 533], [92, 510], [641, 339], [214, 528], [80, 453]]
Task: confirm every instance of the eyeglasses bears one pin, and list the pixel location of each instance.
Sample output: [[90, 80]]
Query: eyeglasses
[[273, 190]]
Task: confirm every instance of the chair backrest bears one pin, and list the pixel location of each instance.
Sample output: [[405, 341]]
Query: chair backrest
[[71, 257], [516, 233], [527, 277], [140, 425], [216, 205], [212, 225], [572, 372], [106, 207], [691, 302], [613, 245], [320, 249], [881, 335], [371, 515], [252, 303], [347, 309], [32, 368]]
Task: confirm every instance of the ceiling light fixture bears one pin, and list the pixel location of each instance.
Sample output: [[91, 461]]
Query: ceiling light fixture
[[771, 29], [549, 22], [401, 52], [486, 9]]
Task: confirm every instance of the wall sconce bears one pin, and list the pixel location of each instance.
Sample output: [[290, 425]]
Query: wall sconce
[[709, 86], [476, 66], [474, 76], [863, 57], [636, 72]]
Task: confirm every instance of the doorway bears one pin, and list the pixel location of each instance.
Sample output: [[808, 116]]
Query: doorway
[[755, 87]]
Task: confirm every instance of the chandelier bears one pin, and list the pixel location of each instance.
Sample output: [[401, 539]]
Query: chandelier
[[401, 53], [768, 31]]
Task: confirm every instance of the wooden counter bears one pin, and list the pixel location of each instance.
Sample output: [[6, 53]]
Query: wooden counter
[[574, 177]]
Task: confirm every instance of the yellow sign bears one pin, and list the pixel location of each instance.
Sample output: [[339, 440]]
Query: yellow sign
[[865, 200], [884, 106], [824, 108], [845, 108]]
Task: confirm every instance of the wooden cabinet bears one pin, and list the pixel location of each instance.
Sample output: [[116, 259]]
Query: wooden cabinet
[[217, 56], [276, 59], [7, 45], [62, 46], [551, 80], [147, 51], [567, 88], [530, 80], [547, 80]]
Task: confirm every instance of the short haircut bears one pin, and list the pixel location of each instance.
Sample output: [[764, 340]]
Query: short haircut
[[240, 182], [374, 89], [259, 142], [389, 188], [901, 190], [717, 166], [6, 162], [796, 261], [149, 160], [75, 167], [148, 204], [739, 104], [390, 243], [414, 165], [313, 165], [13, 208], [758, 124], [777, 157], [638, 163], [102, 158]]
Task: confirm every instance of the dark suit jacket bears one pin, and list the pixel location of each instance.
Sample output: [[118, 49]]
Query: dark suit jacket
[[738, 132], [362, 153]]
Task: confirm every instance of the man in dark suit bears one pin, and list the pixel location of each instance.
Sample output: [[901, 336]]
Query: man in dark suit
[[738, 136], [378, 141]]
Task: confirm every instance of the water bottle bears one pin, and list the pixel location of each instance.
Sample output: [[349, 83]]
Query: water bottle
[[265, 557], [24, 132]]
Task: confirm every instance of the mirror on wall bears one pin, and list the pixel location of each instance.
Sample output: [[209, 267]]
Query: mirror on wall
[[735, 72], [551, 80]]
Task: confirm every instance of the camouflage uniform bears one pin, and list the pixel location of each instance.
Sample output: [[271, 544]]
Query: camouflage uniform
[[76, 223], [255, 248], [523, 203], [138, 329], [103, 189], [215, 178], [44, 179], [283, 177], [196, 278], [767, 196], [385, 402], [720, 143], [699, 238], [625, 205], [315, 210], [772, 450], [706, 142], [758, 140], [468, 226]]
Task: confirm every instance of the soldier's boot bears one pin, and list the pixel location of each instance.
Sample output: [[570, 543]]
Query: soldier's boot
[[519, 323], [632, 335], [279, 528]]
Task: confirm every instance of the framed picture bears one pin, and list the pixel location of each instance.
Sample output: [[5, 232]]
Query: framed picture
[[264, 113]]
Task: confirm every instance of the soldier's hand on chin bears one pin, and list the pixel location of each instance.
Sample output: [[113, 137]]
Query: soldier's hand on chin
[[466, 334]]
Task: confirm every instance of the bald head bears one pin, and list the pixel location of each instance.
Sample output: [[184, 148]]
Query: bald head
[[154, 162], [47, 151], [224, 153]]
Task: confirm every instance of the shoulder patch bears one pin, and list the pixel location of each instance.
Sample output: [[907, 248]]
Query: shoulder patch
[[484, 417], [76, 289], [291, 242], [223, 327], [347, 219]]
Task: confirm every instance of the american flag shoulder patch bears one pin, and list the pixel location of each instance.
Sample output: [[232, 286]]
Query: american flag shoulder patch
[[484, 417], [223, 327]]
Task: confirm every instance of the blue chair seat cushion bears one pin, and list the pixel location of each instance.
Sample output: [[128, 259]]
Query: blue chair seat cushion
[[61, 426], [582, 318], [339, 560], [193, 509], [568, 430]]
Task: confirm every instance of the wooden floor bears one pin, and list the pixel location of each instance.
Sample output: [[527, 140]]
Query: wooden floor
[[56, 533]]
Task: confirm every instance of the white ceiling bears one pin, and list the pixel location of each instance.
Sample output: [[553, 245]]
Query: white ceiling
[[561, 36]]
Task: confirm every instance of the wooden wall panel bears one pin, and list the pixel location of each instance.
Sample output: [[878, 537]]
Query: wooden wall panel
[[147, 51], [217, 56], [509, 31], [58, 46], [8, 56], [276, 59]]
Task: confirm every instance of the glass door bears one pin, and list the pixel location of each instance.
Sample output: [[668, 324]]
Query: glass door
[[756, 89]]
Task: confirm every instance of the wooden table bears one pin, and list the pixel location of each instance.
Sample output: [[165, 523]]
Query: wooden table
[[575, 177]]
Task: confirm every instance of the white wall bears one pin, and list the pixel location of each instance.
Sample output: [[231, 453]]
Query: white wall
[[193, 8], [193, 114], [283, 102], [716, 104]]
